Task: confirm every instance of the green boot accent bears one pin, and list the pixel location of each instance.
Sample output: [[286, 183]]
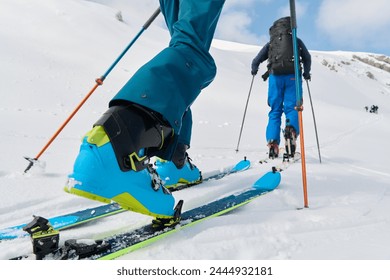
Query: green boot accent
[[161, 223]]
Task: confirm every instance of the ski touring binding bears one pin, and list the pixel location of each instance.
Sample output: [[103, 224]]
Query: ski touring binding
[[161, 223], [45, 238], [290, 137], [80, 249], [273, 149]]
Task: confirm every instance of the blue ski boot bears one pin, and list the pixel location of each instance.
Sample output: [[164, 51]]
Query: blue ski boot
[[113, 165], [173, 177], [179, 171]]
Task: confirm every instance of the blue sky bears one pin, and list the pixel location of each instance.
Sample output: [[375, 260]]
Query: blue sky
[[325, 25], [328, 25]]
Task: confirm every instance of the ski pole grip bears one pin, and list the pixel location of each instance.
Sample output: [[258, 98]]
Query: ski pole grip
[[152, 18], [293, 15]]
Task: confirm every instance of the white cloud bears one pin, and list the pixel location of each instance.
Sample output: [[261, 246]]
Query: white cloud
[[235, 26], [235, 23], [238, 4], [355, 23]]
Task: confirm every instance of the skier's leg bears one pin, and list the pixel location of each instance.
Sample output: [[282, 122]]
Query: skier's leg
[[165, 86], [275, 101], [179, 156], [195, 23], [180, 169], [291, 130], [172, 80], [170, 10], [290, 102]]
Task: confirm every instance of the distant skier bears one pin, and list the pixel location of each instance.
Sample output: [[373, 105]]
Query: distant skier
[[151, 116], [281, 87], [374, 109]]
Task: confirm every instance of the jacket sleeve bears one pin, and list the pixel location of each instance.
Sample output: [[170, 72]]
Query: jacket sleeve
[[306, 57], [260, 57]]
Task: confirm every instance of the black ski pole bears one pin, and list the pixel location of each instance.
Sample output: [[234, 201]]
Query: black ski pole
[[246, 107], [99, 82], [314, 120]]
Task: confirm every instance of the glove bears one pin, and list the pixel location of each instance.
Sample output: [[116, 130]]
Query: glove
[[265, 76], [254, 72], [307, 76]]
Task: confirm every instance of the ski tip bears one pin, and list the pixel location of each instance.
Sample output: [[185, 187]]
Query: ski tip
[[242, 165], [268, 181]]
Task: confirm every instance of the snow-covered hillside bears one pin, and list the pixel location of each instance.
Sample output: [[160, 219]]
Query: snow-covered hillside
[[52, 51]]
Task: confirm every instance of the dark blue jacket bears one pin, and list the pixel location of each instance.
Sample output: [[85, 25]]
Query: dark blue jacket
[[303, 53]]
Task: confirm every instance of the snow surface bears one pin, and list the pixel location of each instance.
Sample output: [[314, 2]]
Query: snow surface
[[52, 51]]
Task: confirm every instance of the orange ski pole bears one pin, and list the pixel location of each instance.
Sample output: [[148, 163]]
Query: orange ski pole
[[303, 158], [33, 160], [99, 81]]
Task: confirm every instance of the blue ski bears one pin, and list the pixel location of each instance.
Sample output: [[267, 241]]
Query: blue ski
[[86, 215], [117, 245]]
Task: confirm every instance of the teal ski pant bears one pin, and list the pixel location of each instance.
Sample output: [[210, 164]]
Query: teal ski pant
[[171, 81]]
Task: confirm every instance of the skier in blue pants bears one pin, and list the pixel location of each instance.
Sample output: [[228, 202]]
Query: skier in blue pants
[[151, 116], [281, 85], [281, 99]]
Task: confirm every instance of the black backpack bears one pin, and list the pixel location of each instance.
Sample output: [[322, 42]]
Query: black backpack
[[281, 53]]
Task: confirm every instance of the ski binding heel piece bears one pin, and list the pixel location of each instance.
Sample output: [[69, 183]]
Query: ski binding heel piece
[[81, 249]]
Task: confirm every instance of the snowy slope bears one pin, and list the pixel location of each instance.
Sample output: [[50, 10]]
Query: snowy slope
[[51, 53]]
